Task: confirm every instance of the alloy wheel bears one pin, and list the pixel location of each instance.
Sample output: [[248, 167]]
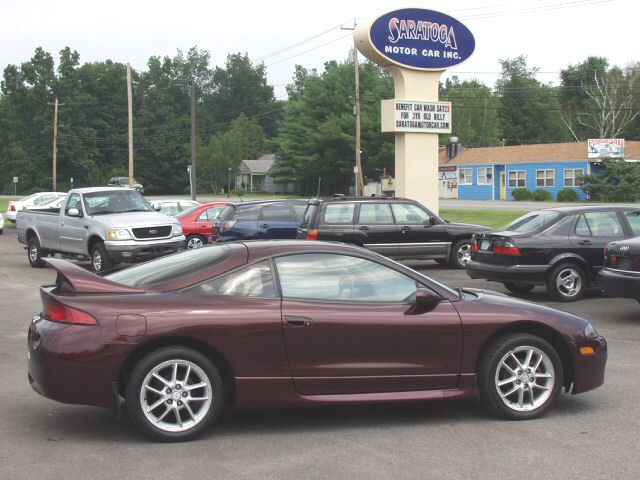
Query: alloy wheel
[[195, 242], [569, 282], [525, 378], [464, 253], [176, 395]]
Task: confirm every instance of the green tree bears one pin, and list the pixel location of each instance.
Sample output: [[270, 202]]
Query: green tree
[[616, 181]]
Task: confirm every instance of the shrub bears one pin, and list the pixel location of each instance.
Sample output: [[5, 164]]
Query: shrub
[[541, 195], [239, 192], [567, 195], [520, 194]]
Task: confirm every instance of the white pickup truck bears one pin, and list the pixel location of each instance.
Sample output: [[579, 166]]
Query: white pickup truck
[[106, 224]]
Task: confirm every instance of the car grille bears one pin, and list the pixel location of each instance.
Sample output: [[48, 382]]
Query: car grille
[[152, 232]]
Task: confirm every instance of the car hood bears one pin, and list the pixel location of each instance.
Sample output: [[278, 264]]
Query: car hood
[[507, 309], [135, 219]]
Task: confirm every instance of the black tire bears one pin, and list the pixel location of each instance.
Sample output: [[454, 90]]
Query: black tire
[[518, 288], [442, 261], [100, 260], [35, 253], [460, 254], [517, 405], [566, 282], [195, 241], [200, 368]]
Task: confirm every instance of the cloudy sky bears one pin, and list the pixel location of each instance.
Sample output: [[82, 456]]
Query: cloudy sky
[[552, 33]]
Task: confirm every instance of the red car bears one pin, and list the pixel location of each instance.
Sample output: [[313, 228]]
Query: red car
[[289, 323], [197, 222]]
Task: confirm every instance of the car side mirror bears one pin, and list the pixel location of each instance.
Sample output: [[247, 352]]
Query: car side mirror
[[432, 220], [157, 207], [73, 212], [426, 298]]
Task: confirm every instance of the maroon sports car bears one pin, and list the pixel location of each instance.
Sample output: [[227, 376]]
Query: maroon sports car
[[292, 323]]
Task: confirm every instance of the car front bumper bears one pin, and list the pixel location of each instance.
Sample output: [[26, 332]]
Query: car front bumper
[[524, 274], [588, 370], [618, 283], [129, 251]]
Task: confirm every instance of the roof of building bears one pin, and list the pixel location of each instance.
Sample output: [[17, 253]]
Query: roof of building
[[544, 152], [259, 166]]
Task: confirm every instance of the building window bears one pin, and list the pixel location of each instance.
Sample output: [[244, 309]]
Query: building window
[[573, 177], [465, 176], [485, 175], [517, 178], [545, 178]]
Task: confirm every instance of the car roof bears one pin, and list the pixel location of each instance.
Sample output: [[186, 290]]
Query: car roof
[[99, 189], [263, 202], [358, 199], [586, 208]]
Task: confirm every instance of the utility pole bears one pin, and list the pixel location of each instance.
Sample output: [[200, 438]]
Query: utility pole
[[192, 172], [55, 143], [359, 176], [130, 126]]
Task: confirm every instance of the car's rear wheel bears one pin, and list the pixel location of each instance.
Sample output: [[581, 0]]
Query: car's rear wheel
[[196, 241], [100, 260], [566, 282], [518, 287], [35, 253], [460, 254], [519, 376], [174, 393]]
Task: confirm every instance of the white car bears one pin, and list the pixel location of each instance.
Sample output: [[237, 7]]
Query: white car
[[34, 200], [1, 224], [173, 206]]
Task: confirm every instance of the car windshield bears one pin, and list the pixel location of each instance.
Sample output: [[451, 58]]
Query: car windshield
[[186, 212], [171, 267], [532, 221], [115, 201]]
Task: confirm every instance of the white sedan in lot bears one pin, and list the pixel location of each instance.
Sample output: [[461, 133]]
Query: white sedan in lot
[[172, 206], [34, 200]]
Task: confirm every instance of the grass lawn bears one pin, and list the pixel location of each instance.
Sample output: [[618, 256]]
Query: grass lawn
[[490, 218]]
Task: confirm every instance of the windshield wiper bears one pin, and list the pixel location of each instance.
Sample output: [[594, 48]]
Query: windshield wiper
[[134, 210]]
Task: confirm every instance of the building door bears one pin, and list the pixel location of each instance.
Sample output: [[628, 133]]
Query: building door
[[503, 185]]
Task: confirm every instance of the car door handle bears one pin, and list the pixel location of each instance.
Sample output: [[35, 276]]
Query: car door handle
[[265, 225], [296, 321], [584, 242], [363, 228], [406, 229]]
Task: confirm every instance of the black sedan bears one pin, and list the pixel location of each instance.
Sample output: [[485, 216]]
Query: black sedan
[[560, 248], [620, 276]]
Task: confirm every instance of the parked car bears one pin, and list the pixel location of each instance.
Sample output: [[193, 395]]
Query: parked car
[[261, 219], [561, 248], [398, 228], [173, 206], [124, 182], [197, 222], [33, 200], [1, 224], [620, 276], [108, 225], [292, 323]]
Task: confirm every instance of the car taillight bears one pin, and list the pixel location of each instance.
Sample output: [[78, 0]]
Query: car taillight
[[13, 208], [312, 234], [58, 312], [506, 248], [475, 245]]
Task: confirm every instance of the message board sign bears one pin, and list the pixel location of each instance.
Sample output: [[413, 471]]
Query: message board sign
[[416, 117], [605, 148]]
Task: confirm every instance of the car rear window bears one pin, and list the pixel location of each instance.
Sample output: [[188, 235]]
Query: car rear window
[[339, 213], [186, 212], [172, 267], [309, 213], [532, 221]]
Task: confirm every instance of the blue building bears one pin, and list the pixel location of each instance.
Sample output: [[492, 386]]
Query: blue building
[[492, 173]]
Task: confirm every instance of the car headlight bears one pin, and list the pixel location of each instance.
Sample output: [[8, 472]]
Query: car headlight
[[590, 331], [177, 230], [118, 234]]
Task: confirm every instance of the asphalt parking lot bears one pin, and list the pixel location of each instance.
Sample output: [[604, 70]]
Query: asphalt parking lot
[[593, 435]]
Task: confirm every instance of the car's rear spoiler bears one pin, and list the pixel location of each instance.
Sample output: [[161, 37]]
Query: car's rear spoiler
[[74, 279]]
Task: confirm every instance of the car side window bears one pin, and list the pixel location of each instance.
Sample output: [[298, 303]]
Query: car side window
[[73, 202], [251, 281], [44, 199], [249, 213], [599, 224], [339, 213], [210, 214], [375, 213], [342, 278], [563, 227], [409, 213], [298, 210], [277, 212], [633, 217]]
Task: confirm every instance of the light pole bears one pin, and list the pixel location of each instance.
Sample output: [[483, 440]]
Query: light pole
[[192, 173], [229, 182]]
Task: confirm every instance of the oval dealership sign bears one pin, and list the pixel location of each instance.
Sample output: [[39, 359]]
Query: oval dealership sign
[[419, 39]]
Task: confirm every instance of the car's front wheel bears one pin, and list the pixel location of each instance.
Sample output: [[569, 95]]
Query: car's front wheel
[[174, 393], [519, 376]]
